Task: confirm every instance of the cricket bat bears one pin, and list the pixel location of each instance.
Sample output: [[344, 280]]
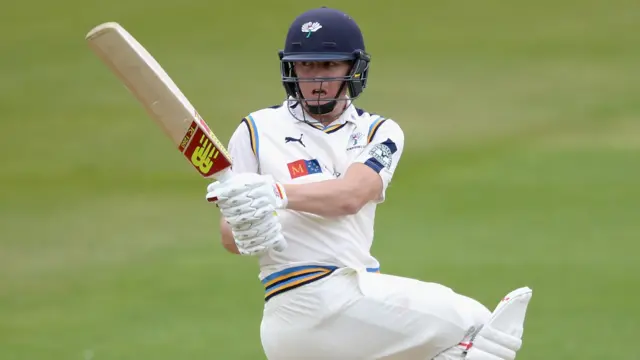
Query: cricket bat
[[161, 98]]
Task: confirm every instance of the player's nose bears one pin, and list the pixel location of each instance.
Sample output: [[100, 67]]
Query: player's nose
[[318, 72]]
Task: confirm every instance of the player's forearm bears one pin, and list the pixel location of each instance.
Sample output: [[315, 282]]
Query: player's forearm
[[227, 237], [328, 198]]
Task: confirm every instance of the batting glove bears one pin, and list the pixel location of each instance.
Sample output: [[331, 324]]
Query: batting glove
[[248, 202], [258, 236], [247, 191]]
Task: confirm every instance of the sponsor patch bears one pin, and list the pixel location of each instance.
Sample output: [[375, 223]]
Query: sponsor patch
[[383, 154], [304, 167]]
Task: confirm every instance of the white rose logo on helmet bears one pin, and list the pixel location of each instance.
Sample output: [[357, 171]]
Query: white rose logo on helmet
[[311, 27]]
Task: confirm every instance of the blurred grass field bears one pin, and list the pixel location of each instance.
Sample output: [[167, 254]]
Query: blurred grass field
[[522, 167]]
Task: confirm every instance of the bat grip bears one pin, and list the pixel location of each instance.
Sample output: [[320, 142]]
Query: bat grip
[[222, 176], [225, 175]]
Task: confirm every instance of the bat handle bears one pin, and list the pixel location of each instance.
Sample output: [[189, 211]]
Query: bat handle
[[224, 175]]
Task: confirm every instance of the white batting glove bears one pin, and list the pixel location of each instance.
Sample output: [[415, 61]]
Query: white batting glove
[[257, 237], [247, 191], [248, 202]]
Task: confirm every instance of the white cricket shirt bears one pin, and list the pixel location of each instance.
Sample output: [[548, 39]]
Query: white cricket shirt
[[272, 141]]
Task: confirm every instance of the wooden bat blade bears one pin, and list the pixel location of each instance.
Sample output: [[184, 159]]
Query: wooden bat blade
[[165, 103]]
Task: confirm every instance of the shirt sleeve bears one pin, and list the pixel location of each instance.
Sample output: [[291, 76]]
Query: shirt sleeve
[[241, 149], [383, 151]]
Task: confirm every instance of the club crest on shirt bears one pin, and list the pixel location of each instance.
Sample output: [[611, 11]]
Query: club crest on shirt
[[355, 141]]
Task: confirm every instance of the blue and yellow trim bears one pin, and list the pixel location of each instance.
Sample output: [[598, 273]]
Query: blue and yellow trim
[[291, 278], [253, 134], [373, 128], [333, 128], [328, 129]]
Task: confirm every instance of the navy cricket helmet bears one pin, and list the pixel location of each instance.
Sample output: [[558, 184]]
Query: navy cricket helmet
[[325, 34]]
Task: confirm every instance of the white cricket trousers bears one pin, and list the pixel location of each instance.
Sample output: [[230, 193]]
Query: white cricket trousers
[[351, 315]]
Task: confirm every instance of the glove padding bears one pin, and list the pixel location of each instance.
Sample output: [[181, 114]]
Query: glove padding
[[248, 202], [246, 193], [256, 237]]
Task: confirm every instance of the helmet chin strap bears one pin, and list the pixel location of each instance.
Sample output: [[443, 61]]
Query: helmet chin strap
[[325, 108], [322, 109]]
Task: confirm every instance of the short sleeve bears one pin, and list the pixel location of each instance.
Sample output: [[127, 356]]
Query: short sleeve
[[241, 149], [383, 151]]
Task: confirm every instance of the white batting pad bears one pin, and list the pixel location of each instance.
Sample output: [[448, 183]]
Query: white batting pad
[[501, 337]]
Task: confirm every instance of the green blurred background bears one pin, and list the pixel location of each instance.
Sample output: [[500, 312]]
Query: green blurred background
[[522, 167]]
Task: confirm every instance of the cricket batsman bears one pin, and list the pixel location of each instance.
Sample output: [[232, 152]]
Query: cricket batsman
[[309, 174]]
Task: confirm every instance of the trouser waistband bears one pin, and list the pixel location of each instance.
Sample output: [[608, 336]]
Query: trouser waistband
[[293, 277]]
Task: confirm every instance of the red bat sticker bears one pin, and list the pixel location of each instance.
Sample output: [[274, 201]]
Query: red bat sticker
[[202, 152]]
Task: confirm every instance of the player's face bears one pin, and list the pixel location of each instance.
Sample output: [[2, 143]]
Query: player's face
[[321, 91]]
